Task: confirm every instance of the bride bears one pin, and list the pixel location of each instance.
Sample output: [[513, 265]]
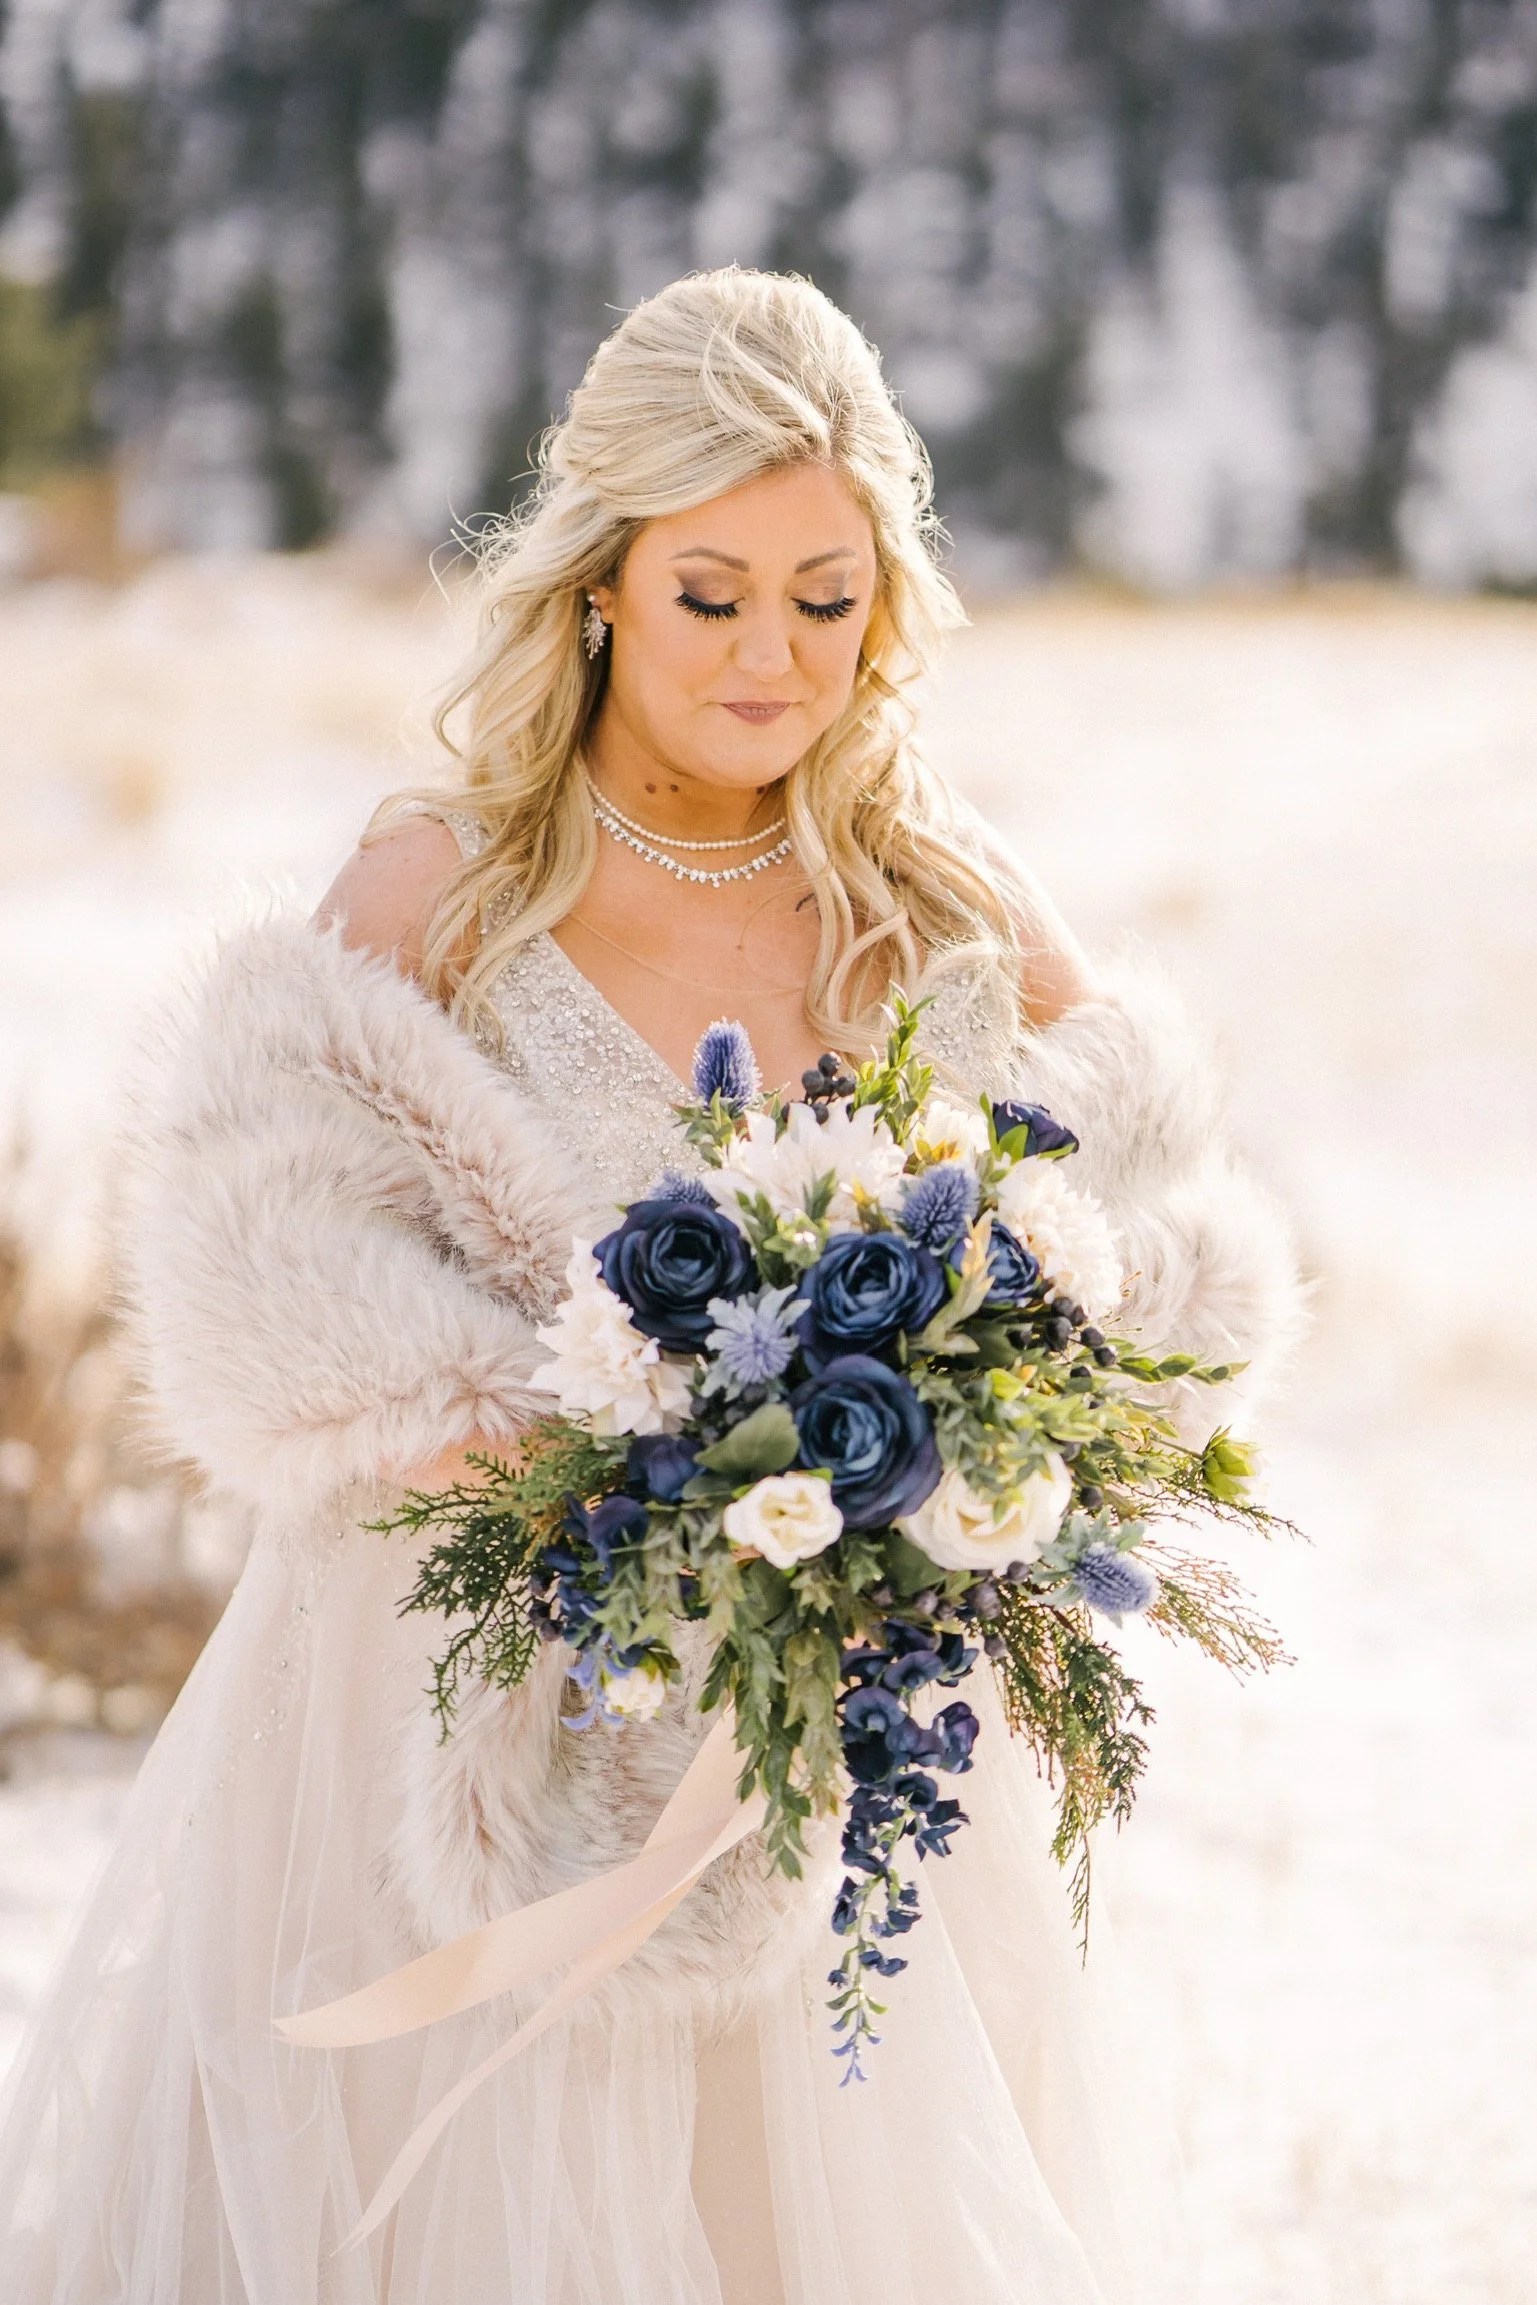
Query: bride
[[682, 785]]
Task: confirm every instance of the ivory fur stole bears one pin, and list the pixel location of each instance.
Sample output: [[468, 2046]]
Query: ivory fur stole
[[340, 1226]]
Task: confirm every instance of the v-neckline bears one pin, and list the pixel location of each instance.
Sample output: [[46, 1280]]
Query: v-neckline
[[617, 1019]]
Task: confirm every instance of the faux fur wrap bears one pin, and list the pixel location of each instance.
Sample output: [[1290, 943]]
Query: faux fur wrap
[[342, 1223]]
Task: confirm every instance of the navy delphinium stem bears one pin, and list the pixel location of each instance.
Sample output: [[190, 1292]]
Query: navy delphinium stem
[[889, 1757]]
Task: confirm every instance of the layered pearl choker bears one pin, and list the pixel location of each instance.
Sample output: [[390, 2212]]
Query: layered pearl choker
[[642, 841]]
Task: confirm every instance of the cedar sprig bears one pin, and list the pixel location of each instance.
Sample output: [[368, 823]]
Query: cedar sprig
[[1200, 1599], [1075, 1704], [478, 1570]]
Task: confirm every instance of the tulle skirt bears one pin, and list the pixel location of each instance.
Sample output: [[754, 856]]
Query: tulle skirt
[[160, 2145]]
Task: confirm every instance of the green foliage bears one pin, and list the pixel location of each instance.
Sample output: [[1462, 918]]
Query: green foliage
[[709, 1126], [1154, 1368], [897, 1082], [1227, 1468], [812, 1661], [765, 1442], [477, 1571], [779, 1663], [1071, 1698]]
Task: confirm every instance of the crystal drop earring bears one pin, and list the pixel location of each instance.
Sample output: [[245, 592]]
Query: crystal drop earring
[[594, 630]]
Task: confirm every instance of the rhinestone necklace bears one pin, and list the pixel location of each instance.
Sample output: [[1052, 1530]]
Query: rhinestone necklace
[[666, 839], [614, 827]]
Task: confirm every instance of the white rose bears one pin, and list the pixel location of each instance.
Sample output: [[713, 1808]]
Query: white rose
[[635, 1695], [787, 1517], [856, 1148], [1067, 1233], [604, 1371], [959, 1528], [949, 1131]]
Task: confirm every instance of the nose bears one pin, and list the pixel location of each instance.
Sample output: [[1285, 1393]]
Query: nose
[[763, 648]]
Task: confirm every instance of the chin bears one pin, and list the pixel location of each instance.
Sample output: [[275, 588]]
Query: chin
[[750, 756]]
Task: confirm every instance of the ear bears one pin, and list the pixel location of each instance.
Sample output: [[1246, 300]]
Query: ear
[[605, 595]]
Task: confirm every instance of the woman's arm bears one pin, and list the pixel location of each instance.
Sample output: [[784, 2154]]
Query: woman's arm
[[338, 1222], [1055, 972], [385, 895]]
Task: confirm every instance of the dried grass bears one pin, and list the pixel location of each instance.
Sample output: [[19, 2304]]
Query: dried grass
[[102, 1607]]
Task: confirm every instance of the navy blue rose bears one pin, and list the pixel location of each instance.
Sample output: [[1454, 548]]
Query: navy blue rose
[[864, 1290], [667, 1260], [1044, 1135], [864, 1424], [662, 1464], [1014, 1272]]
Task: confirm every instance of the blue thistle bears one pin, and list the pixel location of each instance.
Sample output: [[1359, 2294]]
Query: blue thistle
[[753, 1340], [1117, 1584], [673, 1185], [724, 1063], [939, 1205]]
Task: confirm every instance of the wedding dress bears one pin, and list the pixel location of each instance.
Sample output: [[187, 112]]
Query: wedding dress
[[341, 1247]]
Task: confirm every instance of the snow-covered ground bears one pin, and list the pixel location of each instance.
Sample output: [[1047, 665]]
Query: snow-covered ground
[[1321, 814]]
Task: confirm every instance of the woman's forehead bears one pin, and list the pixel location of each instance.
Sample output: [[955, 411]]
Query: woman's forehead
[[802, 518]]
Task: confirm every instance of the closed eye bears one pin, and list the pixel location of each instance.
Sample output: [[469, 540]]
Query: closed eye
[[820, 611]]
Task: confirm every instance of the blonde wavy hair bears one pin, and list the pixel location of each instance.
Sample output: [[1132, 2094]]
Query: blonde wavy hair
[[721, 377]]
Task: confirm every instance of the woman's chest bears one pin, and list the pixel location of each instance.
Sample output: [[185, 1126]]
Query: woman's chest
[[674, 961], [609, 1099]]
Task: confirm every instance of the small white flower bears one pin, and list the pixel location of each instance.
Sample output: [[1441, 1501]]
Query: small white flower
[[635, 1695], [604, 1371], [787, 1517], [945, 1130], [857, 1148], [959, 1528], [1067, 1233]]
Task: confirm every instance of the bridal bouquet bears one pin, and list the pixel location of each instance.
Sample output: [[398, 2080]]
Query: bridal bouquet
[[848, 1395]]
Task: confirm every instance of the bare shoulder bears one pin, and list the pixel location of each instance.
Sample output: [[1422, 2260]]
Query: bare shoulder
[[386, 893]]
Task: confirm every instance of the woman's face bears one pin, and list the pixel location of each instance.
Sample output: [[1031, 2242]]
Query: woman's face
[[735, 628]]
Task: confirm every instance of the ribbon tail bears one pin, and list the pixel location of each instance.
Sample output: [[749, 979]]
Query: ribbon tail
[[537, 1939], [580, 1981]]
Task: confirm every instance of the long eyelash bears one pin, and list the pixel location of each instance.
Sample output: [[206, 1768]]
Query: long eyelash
[[710, 609], [826, 611]]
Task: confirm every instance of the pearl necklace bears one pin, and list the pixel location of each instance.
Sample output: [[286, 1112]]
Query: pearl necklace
[[644, 831], [617, 829]]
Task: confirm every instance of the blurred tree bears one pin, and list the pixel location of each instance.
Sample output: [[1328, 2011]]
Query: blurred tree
[[48, 367], [1183, 287]]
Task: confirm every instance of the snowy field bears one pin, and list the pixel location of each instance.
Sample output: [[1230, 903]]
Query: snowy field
[[1321, 814]]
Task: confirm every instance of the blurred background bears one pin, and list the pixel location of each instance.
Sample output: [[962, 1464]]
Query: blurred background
[[1220, 319]]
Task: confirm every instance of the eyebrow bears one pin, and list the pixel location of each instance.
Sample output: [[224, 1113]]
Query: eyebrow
[[817, 560]]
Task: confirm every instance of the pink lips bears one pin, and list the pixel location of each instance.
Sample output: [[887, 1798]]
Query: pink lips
[[758, 714]]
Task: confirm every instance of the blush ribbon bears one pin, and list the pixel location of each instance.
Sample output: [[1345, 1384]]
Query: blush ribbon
[[595, 1926]]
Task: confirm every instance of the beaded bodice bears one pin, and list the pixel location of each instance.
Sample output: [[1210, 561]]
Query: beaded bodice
[[607, 1095]]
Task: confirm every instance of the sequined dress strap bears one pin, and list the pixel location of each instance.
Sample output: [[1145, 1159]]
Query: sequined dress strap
[[468, 828]]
